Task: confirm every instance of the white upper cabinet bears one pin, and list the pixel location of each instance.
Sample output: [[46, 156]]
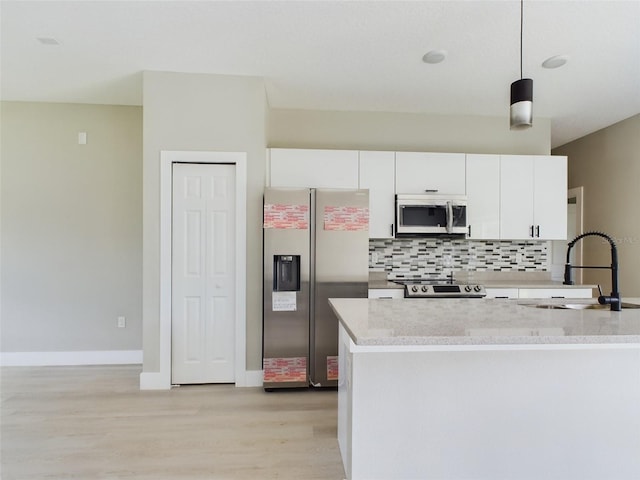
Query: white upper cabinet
[[291, 167], [510, 197], [550, 197], [516, 197], [377, 173], [483, 196], [430, 173], [533, 197]]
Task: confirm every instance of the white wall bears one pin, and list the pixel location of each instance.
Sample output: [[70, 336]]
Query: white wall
[[93, 200], [202, 113], [71, 228]]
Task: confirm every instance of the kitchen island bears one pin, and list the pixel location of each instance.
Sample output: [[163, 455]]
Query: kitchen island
[[487, 389]]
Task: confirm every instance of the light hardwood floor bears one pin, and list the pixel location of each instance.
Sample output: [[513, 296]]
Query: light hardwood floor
[[94, 423]]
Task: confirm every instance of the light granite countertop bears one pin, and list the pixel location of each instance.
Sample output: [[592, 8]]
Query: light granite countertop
[[464, 321], [389, 284], [530, 284]]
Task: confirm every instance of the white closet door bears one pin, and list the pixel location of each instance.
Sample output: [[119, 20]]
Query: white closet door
[[203, 275]]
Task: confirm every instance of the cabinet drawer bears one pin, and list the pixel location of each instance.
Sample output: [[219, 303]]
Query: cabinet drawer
[[386, 293], [501, 292]]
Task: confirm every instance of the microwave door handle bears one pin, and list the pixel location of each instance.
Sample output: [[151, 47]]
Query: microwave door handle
[[449, 217]]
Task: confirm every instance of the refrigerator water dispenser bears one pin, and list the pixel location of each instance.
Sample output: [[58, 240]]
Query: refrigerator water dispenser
[[286, 273]]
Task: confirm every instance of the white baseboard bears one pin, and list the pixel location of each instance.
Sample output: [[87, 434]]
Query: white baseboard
[[148, 380], [154, 381], [44, 359], [252, 378], [158, 381]]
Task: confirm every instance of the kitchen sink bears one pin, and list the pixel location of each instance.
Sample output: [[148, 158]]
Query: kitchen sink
[[581, 306]]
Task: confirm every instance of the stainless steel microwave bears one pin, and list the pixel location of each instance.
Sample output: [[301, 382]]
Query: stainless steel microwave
[[431, 214]]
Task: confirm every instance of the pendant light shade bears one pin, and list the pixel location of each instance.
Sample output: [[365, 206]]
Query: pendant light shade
[[521, 112]]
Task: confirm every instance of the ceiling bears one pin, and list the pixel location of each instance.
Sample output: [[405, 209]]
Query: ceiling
[[337, 55]]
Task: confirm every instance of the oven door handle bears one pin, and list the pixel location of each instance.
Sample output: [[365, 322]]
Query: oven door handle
[[449, 217]]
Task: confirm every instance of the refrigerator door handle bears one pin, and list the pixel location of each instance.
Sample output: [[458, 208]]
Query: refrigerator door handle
[[312, 280]]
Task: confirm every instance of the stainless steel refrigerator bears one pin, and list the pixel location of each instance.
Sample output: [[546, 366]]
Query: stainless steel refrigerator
[[316, 245]]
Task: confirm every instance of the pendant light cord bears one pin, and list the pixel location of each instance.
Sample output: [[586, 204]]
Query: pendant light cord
[[521, 23]]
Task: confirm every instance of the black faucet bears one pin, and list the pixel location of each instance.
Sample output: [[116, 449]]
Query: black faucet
[[614, 299]]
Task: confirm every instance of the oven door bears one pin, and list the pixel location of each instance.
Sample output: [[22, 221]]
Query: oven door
[[413, 219]]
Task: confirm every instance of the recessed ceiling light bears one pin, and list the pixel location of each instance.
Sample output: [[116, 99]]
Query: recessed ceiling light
[[434, 56], [555, 61], [48, 41]]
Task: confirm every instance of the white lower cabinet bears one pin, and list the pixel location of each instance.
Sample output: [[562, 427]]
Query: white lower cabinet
[[386, 293], [568, 293], [555, 293], [501, 292]]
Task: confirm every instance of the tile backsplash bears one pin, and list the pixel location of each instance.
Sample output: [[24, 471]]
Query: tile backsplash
[[429, 257]]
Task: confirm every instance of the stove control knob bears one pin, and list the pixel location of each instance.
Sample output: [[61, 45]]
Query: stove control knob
[[424, 288], [477, 288], [414, 289], [467, 288]]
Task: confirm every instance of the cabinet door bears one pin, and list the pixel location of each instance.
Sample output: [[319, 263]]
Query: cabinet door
[[533, 197], [313, 168], [422, 172], [550, 197], [483, 196], [377, 173], [516, 196]]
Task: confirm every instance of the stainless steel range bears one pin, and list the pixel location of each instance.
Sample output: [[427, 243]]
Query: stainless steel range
[[441, 289]]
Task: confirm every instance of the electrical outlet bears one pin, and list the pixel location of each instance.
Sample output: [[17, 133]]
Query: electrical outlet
[[122, 322]]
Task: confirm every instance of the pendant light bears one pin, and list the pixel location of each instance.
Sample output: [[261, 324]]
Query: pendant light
[[521, 110]]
